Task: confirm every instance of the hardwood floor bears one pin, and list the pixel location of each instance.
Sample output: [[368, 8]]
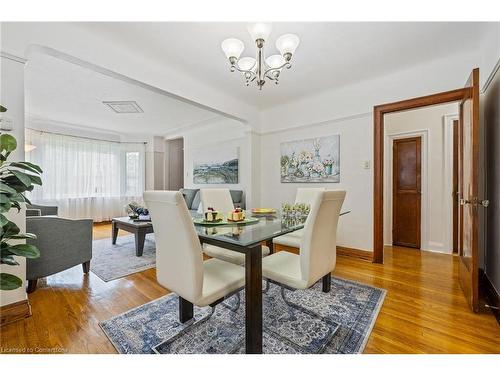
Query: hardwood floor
[[424, 310]]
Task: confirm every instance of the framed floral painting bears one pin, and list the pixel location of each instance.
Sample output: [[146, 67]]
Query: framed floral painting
[[311, 160]]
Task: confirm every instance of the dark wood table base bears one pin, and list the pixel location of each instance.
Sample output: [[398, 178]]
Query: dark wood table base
[[139, 232]]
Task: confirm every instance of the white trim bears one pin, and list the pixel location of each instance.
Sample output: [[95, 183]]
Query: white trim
[[425, 209], [447, 169]]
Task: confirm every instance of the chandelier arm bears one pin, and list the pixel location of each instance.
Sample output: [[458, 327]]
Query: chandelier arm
[[242, 70], [287, 65]]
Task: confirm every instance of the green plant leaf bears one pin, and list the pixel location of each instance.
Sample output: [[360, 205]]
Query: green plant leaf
[[10, 229], [2, 108], [6, 189], [9, 282], [4, 198], [9, 260], [3, 220], [35, 179], [13, 182], [21, 176], [23, 236], [26, 166], [5, 207], [7, 143], [25, 250]]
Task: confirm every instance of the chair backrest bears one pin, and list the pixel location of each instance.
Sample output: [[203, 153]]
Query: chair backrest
[[219, 199], [319, 240], [307, 195], [179, 258]]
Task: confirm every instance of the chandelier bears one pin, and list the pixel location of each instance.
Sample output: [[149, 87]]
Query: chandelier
[[260, 69]]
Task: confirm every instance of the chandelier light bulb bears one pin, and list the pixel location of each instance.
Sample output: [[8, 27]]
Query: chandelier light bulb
[[232, 47], [259, 30], [246, 63], [275, 61], [287, 43]]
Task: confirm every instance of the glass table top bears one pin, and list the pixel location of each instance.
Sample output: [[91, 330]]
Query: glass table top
[[268, 227], [250, 234]]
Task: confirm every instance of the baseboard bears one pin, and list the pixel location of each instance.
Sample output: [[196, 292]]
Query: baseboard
[[15, 311], [491, 294], [356, 253], [341, 251]]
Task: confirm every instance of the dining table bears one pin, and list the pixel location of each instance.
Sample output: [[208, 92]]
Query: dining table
[[248, 238]]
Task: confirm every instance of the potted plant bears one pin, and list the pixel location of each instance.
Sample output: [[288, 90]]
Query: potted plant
[[16, 178]]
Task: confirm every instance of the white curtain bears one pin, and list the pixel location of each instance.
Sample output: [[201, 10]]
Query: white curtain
[[86, 178]]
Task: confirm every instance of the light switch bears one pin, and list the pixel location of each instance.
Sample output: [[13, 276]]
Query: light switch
[[366, 164]]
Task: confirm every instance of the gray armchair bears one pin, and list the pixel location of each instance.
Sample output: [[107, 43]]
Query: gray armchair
[[38, 210], [192, 198], [63, 243]]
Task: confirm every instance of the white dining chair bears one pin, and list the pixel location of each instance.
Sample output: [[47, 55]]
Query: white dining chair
[[317, 256], [220, 200], [303, 195], [179, 259]]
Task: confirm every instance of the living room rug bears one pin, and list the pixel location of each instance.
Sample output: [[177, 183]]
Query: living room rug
[[110, 262], [309, 321]]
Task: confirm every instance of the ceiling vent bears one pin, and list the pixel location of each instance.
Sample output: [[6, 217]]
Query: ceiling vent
[[124, 106]]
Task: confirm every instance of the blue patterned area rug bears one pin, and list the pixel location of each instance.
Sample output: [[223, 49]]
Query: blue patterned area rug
[[307, 321], [110, 262]]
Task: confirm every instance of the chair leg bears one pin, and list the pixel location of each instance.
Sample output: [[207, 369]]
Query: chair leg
[[327, 283], [186, 310], [31, 285], [238, 302], [86, 267], [266, 288]]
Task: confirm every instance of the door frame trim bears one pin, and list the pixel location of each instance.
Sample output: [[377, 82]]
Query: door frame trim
[[448, 170], [378, 156], [424, 180]]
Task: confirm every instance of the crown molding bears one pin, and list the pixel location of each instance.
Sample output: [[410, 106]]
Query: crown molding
[[13, 57]]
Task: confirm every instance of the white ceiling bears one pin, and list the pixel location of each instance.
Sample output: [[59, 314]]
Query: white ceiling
[[330, 54], [69, 93]]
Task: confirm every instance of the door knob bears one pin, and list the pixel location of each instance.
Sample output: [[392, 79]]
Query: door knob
[[484, 203]]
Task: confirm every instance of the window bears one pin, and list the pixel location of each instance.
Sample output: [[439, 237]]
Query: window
[[86, 178], [133, 185]]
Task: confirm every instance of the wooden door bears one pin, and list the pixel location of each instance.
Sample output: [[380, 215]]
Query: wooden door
[[176, 164], [468, 186], [406, 192]]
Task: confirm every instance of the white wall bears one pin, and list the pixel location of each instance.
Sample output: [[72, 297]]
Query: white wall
[[432, 123], [348, 111], [12, 97], [356, 138], [223, 133]]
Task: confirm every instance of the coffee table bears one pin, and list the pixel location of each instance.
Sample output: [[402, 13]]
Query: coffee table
[[138, 228]]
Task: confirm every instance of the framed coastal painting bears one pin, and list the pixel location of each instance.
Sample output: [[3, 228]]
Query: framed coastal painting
[[311, 160], [216, 166]]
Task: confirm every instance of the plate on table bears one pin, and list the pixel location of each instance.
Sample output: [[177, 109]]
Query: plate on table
[[263, 211], [201, 221]]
